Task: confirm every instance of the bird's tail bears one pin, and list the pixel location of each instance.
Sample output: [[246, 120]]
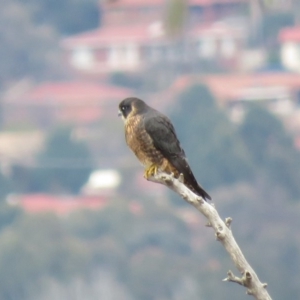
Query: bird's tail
[[181, 166], [191, 182], [198, 190]]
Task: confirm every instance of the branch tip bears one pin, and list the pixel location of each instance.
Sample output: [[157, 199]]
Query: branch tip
[[249, 292], [208, 224], [219, 235], [228, 222], [231, 277], [225, 279], [247, 278]]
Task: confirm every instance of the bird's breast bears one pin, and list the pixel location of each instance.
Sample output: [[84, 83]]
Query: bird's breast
[[140, 142]]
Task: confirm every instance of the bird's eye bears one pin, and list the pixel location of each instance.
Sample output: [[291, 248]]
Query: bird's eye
[[123, 108]]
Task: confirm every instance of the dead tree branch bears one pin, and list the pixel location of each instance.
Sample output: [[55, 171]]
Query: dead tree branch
[[223, 233]]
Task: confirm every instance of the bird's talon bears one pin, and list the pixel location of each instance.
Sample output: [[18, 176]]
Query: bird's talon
[[151, 171]]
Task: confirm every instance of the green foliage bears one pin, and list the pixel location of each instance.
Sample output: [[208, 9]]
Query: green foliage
[[33, 248], [22, 179], [269, 30], [64, 165], [25, 47], [260, 150], [30, 33], [261, 131], [126, 80], [150, 255], [66, 16], [5, 186], [8, 214], [272, 151], [273, 23], [212, 144], [38, 248], [176, 15]]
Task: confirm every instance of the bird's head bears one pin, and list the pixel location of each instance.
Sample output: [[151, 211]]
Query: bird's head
[[131, 106]]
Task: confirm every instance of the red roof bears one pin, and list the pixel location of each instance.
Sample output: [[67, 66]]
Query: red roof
[[119, 3], [290, 34], [144, 33], [227, 87], [112, 34], [79, 102], [38, 203], [218, 29], [122, 3], [74, 90]]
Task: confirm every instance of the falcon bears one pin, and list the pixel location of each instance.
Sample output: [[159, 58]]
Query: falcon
[[152, 138]]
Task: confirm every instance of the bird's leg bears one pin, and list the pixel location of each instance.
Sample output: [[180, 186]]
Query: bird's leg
[[181, 178], [149, 172]]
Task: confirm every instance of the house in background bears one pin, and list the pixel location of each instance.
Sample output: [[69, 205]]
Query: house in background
[[289, 39], [133, 38], [277, 92], [58, 204], [76, 102], [129, 12]]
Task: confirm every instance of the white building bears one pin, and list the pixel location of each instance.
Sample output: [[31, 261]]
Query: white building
[[132, 37], [290, 48]]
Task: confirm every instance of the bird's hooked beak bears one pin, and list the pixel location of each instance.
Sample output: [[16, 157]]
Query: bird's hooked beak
[[121, 115]]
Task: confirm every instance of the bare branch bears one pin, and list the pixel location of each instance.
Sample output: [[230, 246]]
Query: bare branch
[[223, 234], [228, 222]]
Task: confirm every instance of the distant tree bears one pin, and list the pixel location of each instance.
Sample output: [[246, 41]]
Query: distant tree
[[213, 147], [26, 49], [272, 150], [273, 23], [269, 30], [64, 165], [176, 15], [66, 16], [35, 248], [5, 186], [261, 131], [21, 178], [159, 253], [30, 33], [296, 12], [8, 215], [126, 80]]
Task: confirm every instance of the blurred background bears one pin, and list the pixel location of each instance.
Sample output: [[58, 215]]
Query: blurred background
[[77, 219]]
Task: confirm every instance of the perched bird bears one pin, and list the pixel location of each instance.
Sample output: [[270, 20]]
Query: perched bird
[[152, 138]]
